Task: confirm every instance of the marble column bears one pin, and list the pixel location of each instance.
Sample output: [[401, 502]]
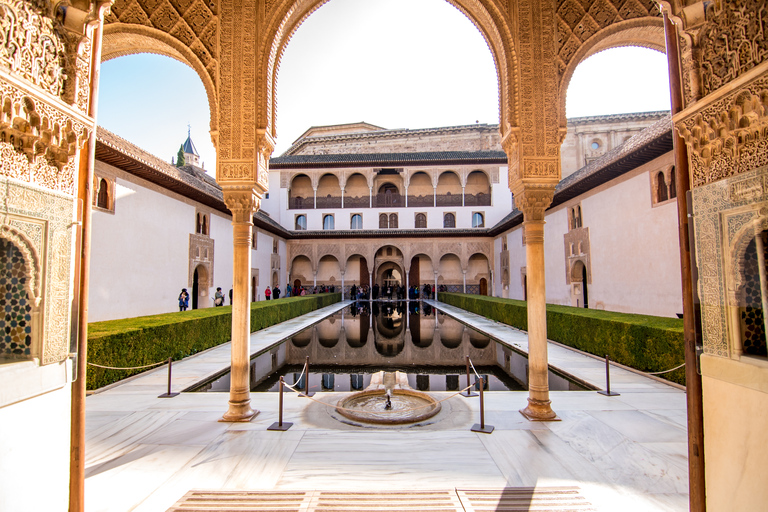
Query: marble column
[[242, 204], [342, 285], [434, 290], [464, 277], [534, 199]]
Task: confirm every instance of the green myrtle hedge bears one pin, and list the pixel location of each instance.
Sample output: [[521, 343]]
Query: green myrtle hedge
[[646, 343], [145, 340]]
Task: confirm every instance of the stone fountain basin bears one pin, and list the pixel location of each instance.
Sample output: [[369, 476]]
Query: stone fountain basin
[[408, 406]]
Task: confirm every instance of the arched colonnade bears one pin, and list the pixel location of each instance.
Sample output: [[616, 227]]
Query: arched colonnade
[[464, 266], [236, 48], [369, 189]]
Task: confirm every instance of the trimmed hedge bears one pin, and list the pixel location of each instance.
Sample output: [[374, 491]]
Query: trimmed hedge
[[149, 339], [646, 343]]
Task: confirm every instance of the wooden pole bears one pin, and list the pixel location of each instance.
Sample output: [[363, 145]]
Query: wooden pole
[[84, 197], [696, 476]]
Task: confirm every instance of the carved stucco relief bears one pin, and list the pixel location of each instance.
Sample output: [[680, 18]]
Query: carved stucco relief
[[45, 218], [201, 253], [721, 209]]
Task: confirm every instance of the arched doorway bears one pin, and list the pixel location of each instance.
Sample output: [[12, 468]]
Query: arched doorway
[[483, 286], [579, 283], [199, 286]]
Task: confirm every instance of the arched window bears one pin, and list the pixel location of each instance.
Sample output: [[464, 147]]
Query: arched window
[[504, 243], [421, 221], [672, 184], [301, 223], [328, 222], [356, 222], [275, 246], [205, 225], [199, 225], [383, 221], [477, 220], [253, 239], [661, 188], [392, 220], [449, 220], [578, 216], [103, 199]]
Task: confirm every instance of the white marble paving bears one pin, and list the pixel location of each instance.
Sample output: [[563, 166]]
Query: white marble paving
[[625, 453]]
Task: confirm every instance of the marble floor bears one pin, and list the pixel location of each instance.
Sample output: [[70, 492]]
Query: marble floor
[[626, 453]]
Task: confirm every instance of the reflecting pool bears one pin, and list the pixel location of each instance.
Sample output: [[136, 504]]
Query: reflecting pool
[[346, 348]]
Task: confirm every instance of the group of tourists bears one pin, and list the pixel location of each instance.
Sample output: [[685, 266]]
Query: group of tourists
[[390, 292], [272, 293]]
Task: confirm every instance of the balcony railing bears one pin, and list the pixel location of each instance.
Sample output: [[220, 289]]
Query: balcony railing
[[301, 203], [477, 199], [328, 202], [448, 199], [389, 200], [420, 201], [357, 202]]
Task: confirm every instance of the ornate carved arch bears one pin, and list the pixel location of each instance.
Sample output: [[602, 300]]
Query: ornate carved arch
[[31, 261], [741, 240], [285, 16], [122, 39], [646, 31]]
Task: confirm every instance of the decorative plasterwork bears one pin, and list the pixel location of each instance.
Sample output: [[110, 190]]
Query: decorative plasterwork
[[727, 134], [576, 244], [44, 218], [242, 202], [34, 267], [201, 252], [732, 42], [192, 22], [534, 199], [721, 210]]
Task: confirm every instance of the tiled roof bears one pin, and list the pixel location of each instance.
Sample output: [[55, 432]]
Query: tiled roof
[[188, 181], [648, 144], [389, 159], [619, 118]]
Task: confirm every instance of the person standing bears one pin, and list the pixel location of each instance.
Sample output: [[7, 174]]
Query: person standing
[[276, 292], [288, 290], [230, 296], [218, 298], [267, 292], [183, 300]]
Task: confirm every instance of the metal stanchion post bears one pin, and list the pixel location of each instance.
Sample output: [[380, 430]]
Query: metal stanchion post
[[280, 426], [168, 394], [469, 389], [482, 427], [306, 380], [607, 391]]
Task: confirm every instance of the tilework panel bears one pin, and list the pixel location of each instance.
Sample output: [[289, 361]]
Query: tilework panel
[[15, 322]]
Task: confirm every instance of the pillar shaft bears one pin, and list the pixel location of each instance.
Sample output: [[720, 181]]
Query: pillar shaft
[[538, 379], [242, 205]]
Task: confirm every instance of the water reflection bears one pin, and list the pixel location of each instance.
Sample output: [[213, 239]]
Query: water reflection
[[345, 348]]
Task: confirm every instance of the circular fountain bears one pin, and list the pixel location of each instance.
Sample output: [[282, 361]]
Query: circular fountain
[[388, 400]]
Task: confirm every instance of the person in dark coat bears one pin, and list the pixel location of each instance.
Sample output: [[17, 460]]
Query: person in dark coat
[[276, 292]]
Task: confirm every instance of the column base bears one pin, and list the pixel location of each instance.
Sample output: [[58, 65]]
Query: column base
[[239, 412], [539, 410]]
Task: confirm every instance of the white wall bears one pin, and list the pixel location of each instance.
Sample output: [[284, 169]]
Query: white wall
[[634, 248], [34, 453], [140, 253]]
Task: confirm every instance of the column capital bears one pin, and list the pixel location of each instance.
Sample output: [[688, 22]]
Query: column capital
[[533, 198], [242, 201]]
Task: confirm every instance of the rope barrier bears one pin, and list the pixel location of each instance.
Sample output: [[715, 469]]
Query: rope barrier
[[129, 368], [666, 371], [381, 412], [473, 369]]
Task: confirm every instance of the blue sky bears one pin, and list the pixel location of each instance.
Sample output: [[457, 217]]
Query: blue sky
[[392, 63]]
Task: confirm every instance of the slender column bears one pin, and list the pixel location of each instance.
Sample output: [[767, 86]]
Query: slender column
[[314, 276], [538, 373], [434, 290], [370, 197], [84, 194], [464, 275], [242, 204], [462, 197], [408, 285], [370, 282], [342, 288], [342, 198], [314, 200], [434, 196]]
